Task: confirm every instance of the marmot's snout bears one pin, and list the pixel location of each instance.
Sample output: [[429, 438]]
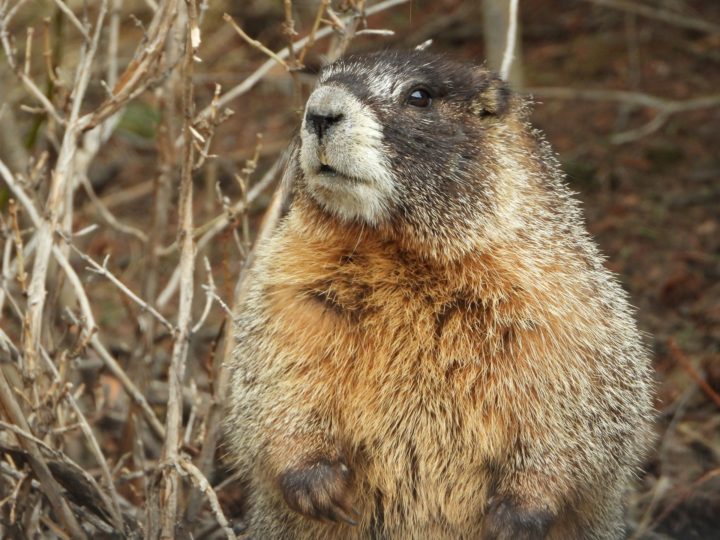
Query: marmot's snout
[[327, 128], [320, 124], [342, 156], [324, 112], [326, 117]]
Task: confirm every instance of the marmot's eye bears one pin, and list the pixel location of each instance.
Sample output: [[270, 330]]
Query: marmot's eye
[[419, 97]]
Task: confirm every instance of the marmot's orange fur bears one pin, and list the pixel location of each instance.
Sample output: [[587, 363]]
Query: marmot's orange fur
[[466, 370]]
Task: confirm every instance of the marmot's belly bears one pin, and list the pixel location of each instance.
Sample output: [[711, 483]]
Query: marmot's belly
[[424, 484], [424, 451]]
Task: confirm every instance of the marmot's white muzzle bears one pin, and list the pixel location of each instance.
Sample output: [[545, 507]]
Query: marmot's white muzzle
[[343, 157]]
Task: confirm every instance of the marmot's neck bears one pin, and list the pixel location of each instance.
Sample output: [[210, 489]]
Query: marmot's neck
[[316, 226], [518, 254], [535, 282]]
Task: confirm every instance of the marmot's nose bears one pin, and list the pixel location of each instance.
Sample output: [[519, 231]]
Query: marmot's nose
[[321, 123]]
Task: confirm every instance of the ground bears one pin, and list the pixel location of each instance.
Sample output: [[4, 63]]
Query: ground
[[653, 204]]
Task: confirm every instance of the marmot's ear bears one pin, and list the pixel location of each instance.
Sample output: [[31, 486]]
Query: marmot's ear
[[493, 97]]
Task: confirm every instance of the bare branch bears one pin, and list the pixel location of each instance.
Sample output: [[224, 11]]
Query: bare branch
[[665, 107], [17, 237], [140, 70], [12, 411], [101, 269], [84, 302], [659, 14], [129, 386], [62, 6], [113, 505], [254, 43], [113, 40], [107, 215], [638, 133], [25, 434], [212, 228], [60, 179], [12, 12], [684, 361], [12, 145], [375, 32], [28, 50], [168, 503], [310, 41], [211, 294], [26, 80], [293, 64], [259, 73], [203, 485], [631, 98]]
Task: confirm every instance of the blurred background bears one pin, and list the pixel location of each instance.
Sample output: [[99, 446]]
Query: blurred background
[[627, 92]]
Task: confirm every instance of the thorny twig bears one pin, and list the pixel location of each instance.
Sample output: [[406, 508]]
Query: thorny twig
[[84, 302], [263, 70], [102, 270]]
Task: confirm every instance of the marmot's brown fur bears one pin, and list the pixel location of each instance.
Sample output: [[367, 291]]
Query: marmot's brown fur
[[430, 346]]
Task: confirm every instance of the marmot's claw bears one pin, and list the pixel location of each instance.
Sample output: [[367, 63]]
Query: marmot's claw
[[339, 514], [507, 520], [320, 490]]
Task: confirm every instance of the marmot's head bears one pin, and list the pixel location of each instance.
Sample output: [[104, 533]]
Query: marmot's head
[[412, 143]]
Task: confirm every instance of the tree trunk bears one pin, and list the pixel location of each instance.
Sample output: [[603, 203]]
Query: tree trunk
[[496, 18]]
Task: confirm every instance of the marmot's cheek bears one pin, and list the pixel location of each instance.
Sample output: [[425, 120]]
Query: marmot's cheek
[[349, 199]]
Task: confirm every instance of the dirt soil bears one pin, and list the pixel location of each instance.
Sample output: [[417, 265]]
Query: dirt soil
[[652, 203]]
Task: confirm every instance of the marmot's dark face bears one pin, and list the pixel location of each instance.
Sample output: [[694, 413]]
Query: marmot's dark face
[[400, 139]]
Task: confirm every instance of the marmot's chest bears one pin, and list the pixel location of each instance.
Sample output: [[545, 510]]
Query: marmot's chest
[[411, 363], [407, 363], [381, 323]]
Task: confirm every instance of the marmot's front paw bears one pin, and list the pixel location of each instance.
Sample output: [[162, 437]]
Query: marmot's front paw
[[320, 490], [507, 520]]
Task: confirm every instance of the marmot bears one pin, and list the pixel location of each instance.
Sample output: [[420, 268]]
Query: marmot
[[430, 346]]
